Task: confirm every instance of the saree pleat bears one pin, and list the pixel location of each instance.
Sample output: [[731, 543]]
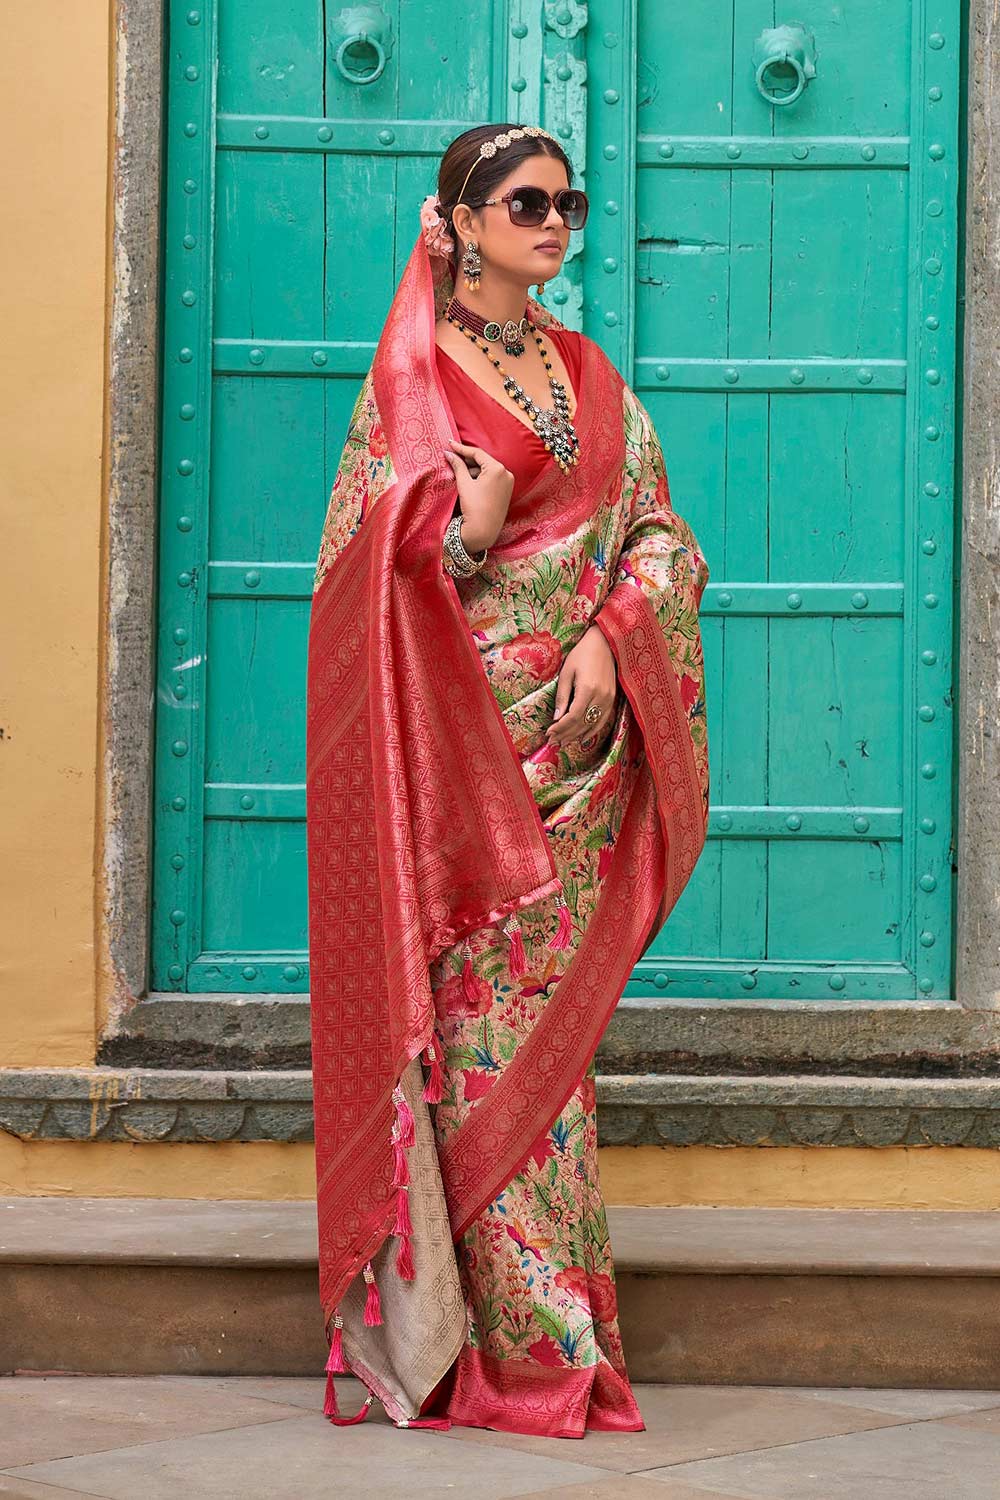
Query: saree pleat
[[543, 1352], [589, 845]]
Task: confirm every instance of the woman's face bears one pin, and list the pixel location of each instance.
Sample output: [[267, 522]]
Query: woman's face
[[514, 248]]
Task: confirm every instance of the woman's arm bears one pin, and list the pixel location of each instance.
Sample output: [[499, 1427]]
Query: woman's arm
[[659, 558]]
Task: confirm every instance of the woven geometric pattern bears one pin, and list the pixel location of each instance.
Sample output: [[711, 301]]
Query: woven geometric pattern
[[405, 854], [422, 824]]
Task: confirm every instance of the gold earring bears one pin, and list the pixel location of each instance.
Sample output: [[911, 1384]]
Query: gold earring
[[472, 266], [540, 288]]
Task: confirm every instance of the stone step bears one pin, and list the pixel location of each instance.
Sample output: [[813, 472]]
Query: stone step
[[831, 1297], [646, 1034]]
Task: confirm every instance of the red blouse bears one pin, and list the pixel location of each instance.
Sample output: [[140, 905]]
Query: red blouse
[[490, 423]]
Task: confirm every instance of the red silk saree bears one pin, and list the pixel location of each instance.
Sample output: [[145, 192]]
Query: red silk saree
[[477, 896]]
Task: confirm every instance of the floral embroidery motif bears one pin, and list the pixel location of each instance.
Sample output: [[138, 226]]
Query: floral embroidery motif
[[536, 1264], [365, 471]]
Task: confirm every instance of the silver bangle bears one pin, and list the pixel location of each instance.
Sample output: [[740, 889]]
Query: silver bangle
[[457, 561]]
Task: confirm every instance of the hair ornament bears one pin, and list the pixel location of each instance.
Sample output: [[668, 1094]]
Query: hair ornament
[[435, 228], [498, 143]]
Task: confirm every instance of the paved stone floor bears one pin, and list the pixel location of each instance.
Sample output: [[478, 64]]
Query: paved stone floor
[[207, 1438]]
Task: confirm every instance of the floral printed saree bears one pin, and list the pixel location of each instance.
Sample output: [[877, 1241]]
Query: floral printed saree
[[478, 897]]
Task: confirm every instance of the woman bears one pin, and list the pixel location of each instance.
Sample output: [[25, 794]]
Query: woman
[[507, 791]]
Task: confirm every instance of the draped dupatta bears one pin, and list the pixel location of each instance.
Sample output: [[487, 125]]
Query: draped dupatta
[[421, 827]]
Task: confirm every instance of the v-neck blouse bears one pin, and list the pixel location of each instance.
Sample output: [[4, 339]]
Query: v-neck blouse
[[484, 420]]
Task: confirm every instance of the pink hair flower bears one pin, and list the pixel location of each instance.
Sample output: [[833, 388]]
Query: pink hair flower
[[436, 236]]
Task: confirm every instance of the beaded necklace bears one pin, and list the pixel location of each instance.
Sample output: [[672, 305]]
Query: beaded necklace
[[553, 423], [511, 333]]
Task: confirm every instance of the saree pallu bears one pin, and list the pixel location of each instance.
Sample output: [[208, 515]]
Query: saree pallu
[[478, 896]]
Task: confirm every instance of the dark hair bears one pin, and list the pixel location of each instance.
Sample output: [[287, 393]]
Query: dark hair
[[492, 170]]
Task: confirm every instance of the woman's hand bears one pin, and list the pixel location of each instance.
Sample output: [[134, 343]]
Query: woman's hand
[[589, 673], [484, 496]]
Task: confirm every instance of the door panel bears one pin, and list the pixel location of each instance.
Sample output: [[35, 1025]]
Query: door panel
[[785, 307], [777, 281]]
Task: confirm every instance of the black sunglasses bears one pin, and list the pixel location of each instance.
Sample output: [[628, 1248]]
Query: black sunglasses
[[529, 206]]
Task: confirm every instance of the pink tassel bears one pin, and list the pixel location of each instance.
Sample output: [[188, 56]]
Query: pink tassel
[[404, 1224], [434, 1087], [518, 961], [564, 931], [373, 1305], [404, 1260], [330, 1395], [335, 1364], [402, 1172], [404, 1119], [330, 1407], [469, 976]]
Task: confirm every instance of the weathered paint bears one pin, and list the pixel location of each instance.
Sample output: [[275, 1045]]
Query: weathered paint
[[126, 726], [978, 946]]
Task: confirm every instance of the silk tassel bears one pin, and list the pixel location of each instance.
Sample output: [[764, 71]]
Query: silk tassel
[[404, 1116], [563, 932], [373, 1305], [434, 1087], [330, 1406], [404, 1134], [404, 1260], [401, 1176], [335, 1363], [404, 1224], [469, 976], [518, 961]]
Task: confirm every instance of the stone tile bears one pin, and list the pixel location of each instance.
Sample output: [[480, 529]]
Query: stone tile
[[678, 1490], [905, 1403], [304, 1391], [27, 1489], [910, 1461], [634, 1487], [985, 1421], [306, 1458], [685, 1422], [56, 1416]]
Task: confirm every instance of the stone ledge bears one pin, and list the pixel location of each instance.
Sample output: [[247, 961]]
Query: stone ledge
[[919, 1039], [154, 1104], [246, 1233], [829, 1297]]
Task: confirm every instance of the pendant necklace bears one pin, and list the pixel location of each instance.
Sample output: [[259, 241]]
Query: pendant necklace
[[552, 424]]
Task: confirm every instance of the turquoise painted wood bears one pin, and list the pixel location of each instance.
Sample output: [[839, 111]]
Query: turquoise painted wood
[[771, 261]]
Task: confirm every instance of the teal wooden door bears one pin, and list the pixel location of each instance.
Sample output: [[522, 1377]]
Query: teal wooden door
[[770, 260]]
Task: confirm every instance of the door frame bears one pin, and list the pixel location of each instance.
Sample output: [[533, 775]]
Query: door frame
[[128, 669]]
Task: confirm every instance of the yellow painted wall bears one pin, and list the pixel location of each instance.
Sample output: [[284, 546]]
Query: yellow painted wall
[[939, 1177], [54, 97]]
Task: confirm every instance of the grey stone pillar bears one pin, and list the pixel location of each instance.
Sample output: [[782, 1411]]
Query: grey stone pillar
[[977, 979]]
